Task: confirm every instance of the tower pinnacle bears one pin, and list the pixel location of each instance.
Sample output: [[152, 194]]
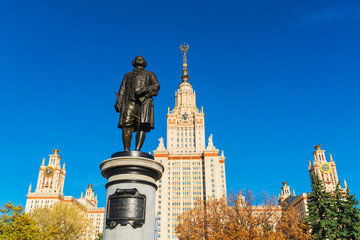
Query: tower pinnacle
[[185, 77]]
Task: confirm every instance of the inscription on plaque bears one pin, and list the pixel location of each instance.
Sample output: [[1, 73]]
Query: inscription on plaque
[[126, 206]]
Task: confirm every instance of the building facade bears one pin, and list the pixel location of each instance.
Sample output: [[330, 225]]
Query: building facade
[[49, 189], [320, 167], [324, 169], [193, 170]]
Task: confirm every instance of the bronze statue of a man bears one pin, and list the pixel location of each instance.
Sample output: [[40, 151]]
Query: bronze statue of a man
[[135, 104]]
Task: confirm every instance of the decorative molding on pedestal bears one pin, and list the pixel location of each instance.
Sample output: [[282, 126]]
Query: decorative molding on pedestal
[[142, 170]]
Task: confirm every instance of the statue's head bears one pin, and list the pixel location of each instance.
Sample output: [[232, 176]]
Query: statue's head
[[139, 61]]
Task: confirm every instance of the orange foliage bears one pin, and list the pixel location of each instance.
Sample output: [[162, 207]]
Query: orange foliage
[[246, 217], [291, 226]]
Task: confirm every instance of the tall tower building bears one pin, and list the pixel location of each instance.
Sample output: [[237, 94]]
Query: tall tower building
[[50, 183], [192, 169], [49, 189], [324, 169], [320, 167]]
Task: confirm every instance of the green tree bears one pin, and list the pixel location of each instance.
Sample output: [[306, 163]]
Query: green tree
[[351, 217], [64, 221], [99, 236], [16, 225], [340, 206], [322, 212]]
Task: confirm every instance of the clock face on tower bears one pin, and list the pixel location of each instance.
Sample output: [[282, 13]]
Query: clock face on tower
[[325, 168], [185, 117], [49, 172]]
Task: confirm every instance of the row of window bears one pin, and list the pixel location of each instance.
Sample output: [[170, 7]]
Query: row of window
[[185, 140]]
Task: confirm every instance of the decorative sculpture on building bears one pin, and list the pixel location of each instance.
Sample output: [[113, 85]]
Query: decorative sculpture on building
[[135, 104], [210, 143], [161, 144]]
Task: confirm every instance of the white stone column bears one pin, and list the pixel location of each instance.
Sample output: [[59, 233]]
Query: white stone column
[[132, 170]]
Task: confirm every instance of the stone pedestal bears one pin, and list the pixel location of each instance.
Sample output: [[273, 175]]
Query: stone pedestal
[[127, 173]]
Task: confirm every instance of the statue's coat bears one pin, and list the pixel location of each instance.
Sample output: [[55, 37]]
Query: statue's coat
[[145, 89]]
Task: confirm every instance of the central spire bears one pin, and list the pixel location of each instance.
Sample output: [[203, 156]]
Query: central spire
[[185, 77]]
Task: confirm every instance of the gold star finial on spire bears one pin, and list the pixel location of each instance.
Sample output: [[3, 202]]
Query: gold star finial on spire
[[184, 48], [185, 77]]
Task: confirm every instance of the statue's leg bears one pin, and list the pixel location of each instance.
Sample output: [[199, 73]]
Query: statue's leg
[[140, 138], [126, 136]]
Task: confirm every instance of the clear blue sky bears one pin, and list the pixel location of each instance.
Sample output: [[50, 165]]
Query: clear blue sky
[[274, 77]]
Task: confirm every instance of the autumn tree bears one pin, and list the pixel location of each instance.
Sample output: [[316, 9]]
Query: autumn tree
[[200, 222], [253, 216], [63, 221], [291, 226], [16, 225], [244, 217]]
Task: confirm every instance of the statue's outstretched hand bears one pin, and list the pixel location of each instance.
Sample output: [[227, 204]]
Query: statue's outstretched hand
[[117, 107]]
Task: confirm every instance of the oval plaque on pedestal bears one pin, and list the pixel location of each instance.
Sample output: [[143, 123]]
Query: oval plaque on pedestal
[[126, 206]]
